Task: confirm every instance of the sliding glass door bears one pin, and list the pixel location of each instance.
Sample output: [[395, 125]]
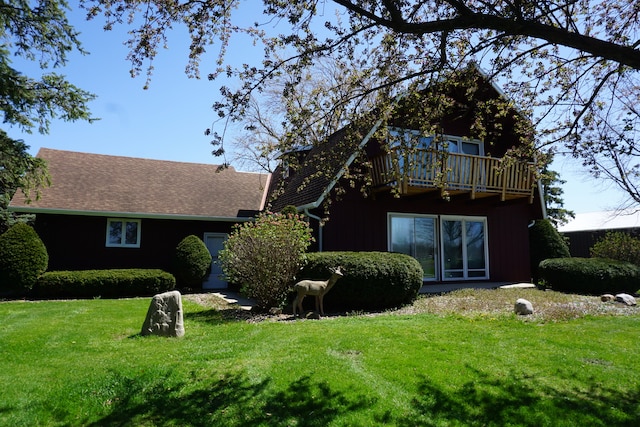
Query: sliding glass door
[[464, 248], [416, 236], [447, 247]]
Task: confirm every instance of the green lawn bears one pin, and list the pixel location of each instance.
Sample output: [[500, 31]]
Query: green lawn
[[74, 363]]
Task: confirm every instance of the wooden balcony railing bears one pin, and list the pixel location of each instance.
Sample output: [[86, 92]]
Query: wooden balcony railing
[[422, 171]]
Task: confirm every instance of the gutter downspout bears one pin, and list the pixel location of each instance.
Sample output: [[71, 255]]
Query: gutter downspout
[[313, 205], [320, 226]]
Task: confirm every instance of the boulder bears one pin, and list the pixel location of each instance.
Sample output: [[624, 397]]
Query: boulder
[[523, 307], [164, 317], [607, 298], [625, 299]]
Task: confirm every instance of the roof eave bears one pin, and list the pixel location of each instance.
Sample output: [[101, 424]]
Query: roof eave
[[116, 214], [334, 181]]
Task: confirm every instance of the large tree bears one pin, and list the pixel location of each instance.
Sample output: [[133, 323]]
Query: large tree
[[571, 66], [292, 112], [552, 194], [38, 31], [18, 170], [33, 31]]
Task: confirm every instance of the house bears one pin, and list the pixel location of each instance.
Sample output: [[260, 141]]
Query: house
[[587, 228], [119, 212], [452, 202], [447, 200]]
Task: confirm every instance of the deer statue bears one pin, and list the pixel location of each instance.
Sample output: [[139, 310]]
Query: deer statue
[[317, 288]]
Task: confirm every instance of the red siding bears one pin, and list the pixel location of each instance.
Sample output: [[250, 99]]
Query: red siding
[[78, 242], [360, 224]]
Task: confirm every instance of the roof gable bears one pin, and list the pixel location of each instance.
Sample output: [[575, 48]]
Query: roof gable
[[326, 163], [96, 183]]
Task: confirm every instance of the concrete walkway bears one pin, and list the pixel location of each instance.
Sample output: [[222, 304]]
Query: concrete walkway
[[233, 297], [449, 287]]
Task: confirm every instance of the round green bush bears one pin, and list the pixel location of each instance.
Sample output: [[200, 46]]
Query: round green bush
[[590, 276], [372, 280], [192, 262], [23, 258], [545, 242], [617, 245]]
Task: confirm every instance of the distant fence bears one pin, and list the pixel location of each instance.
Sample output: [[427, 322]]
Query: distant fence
[[580, 242]]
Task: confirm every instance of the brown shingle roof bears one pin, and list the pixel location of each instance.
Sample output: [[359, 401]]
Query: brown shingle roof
[[94, 183], [320, 170], [320, 166]]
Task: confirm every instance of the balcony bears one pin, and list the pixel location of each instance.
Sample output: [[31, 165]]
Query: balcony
[[426, 170]]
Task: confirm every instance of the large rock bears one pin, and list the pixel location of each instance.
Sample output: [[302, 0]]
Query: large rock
[[626, 299], [164, 317], [607, 298], [523, 307]]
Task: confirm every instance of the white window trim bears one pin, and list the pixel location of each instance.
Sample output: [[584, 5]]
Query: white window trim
[[440, 244], [124, 222], [460, 140], [391, 215], [441, 139], [464, 218]]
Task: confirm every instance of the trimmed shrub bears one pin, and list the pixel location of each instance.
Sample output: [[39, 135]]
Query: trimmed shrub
[[104, 283], [618, 246], [23, 258], [191, 263], [264, 255], [590, 276], [289, 210], [545, 242], [372, 280]]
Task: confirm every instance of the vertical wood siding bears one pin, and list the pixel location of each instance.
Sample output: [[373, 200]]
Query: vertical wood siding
[[78, 242], [360, 224]]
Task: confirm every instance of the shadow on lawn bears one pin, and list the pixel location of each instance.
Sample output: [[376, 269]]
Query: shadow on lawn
[[233, 400], [217, 316], [236, 400], [523, 401]]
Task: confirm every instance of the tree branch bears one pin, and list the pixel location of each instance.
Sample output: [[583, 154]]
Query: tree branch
[[625, 55]]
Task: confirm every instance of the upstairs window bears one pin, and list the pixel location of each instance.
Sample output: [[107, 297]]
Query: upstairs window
[[456, 144], [411, 138], [123, 233], [399, 137]]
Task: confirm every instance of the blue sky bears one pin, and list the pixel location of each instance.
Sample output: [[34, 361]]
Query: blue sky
[[167, 121]]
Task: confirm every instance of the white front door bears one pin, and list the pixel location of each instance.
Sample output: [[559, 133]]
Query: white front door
[[215, 243]]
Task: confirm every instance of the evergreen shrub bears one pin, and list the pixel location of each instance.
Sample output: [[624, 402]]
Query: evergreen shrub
[[619, 246], [545, 242], [23, 258], [192, 262], [372, 280], [104, 283], [590, 276]]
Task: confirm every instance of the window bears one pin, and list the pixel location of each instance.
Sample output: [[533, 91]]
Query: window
[[416, 236], [464, 247], [456, 144], [447, 248], [123, 233], [404, 138], [411, 138]]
